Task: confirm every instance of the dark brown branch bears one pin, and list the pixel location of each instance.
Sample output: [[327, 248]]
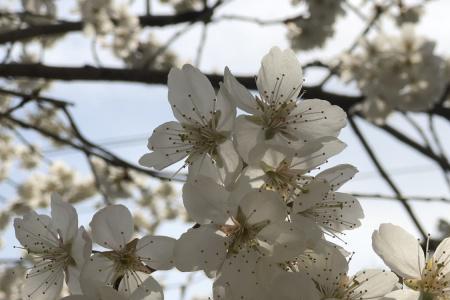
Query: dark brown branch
[[146, 76], [66, 27], [413, 144], [387, 178], [55, 102]]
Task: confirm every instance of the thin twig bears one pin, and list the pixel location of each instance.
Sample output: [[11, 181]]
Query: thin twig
[[418, 128], [387, 178], [370, 24], [164, 47], [148, 7], [388, 197], [103, 154], [201, 45], [31, 146], [258, 21], [95, 55], [97, 180], [440, 148], [53, 101], [414, 145]]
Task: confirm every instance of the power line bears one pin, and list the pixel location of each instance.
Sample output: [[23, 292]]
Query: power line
[[112, 142]]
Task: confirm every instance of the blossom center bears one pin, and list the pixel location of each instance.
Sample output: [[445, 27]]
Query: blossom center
[[126, 260], [242, 234], [433, 282]]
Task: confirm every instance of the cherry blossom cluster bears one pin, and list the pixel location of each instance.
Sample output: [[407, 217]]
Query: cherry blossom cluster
[[263, 214], [397, 72], [313, 31]]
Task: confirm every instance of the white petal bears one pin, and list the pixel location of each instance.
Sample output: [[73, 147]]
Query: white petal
[[333, 211], [315, 153], [226, 109], [131, 281], [98, 269], [238, 278], [73, 280], [106, 292], [373, 284], [43, 285], [91, 287], [318, 118], [338, 175], [65, 218], [206, 201], [348, 214], [280, 77], [231, 163], [149, 290], [224, 169], [442, 257], [294, 286], [265, 156], [247, 135], [166, 145], [81, 247], [263, 206], [314, 193], [156, 251], [112, 227], [200, 249], [286, 240], [325, 268], [191, 95], [236, 92], [399, 250], [404, 294], [36, 233]]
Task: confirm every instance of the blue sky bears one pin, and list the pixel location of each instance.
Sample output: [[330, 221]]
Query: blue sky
[[111, 110]]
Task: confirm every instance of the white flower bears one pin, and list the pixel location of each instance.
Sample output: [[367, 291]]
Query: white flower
[[323, 275], [234, 233], [400, 251], [96, 15], [277, 117], [334, 212], [40, 7], [308, 33], [283, 169], [203, 131], [60, 247], [126, 32], [397, 72], [129, 261], [96, 290]]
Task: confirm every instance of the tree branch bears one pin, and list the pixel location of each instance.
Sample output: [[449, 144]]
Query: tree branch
[[387, 178], [147, 76], [66, 27], [102, 153], [412, 198]]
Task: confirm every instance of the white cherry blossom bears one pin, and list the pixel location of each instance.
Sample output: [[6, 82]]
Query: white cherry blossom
[[232, 229], [277, 117], [283, 169], [425, 276], [202, 133], [129, 262], [97, 290], [324, 275], [333, 211], [59, 247]]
